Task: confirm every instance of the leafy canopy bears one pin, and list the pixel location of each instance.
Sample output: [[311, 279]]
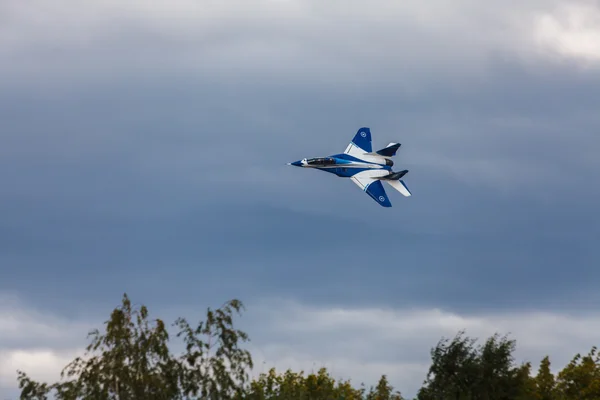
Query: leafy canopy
[[132, 360]]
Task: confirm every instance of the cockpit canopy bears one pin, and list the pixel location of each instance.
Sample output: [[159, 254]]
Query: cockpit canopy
[[321, 161]]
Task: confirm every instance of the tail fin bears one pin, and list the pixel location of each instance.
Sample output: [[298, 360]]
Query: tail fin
[[400, 186], [361, 143], [390, 150]]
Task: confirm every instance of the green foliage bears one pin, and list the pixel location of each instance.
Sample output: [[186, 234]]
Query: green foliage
[[383, 391], [453, 370], [460, 370], [545, 383], [320, 386], [217, 375], [580, 379], [292, 385], [131, 360]]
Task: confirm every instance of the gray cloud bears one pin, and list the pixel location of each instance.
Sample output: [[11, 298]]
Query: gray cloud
[[356, 44]]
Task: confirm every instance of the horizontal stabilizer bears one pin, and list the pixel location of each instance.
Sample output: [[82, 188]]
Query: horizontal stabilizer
[[377, 193], [400, 186], [369, 183], [390, 150], [394, 176]]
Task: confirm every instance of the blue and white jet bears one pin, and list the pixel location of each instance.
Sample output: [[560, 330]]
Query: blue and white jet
[[366, 168]]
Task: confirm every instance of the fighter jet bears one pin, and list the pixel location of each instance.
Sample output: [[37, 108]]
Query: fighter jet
[[366, 168]]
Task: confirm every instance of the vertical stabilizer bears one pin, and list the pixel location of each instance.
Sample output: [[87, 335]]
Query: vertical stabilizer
[[390, 150], [361, 143]]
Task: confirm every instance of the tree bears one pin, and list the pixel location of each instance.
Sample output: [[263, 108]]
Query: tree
[[525, 383], [320, 386], [460, 370], [131, 360], [580, 379], [545, 384], [453, 370], [499, 377], [383, 391], [295, 386]]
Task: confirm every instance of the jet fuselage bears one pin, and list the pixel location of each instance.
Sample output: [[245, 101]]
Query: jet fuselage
[[345, 165]]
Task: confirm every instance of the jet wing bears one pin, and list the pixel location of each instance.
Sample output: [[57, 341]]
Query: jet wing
[[373, 187]]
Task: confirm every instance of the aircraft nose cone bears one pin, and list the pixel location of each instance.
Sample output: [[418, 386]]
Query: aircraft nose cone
[[296, 163]]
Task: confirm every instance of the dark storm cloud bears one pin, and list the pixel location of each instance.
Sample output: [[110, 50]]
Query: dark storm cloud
[[144, 187], [151, 156]]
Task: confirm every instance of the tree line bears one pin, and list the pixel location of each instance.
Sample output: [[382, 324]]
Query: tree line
[[131, 359]]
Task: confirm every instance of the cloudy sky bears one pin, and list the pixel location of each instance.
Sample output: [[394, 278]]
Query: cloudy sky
[[143, 149]]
